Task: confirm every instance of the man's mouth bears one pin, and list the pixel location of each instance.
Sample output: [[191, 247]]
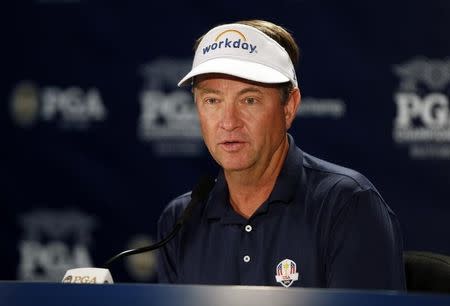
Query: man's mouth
[[232, 145]]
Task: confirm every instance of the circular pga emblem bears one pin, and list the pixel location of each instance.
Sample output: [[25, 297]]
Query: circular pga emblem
[[24, 104], [67, 279], [141, 267]]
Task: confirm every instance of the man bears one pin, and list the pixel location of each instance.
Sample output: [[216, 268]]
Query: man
[[276, 216]]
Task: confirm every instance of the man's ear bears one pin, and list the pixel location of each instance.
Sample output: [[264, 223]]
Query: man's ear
[[291, 106]]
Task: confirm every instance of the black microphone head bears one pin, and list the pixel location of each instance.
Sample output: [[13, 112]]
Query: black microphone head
[[198, 194], [203, 187]]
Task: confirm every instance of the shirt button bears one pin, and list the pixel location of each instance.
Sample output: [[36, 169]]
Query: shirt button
[[246, 258], [248, 228]]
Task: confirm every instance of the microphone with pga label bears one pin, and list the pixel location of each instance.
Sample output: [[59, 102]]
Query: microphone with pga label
[[88, 276], [103, 276]]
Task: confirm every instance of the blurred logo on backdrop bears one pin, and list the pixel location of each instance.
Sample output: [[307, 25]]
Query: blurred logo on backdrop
[[141, 267], [422, 121], [322, 108], [53, 241], [168, 118], [71, 108]]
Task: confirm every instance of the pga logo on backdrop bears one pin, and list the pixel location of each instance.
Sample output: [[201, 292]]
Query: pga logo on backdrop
[[422, 121], [432, 111], [52, 242], [71, 108], [168, 119]]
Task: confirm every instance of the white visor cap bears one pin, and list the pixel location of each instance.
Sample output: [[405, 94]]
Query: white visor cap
[[242, 51]]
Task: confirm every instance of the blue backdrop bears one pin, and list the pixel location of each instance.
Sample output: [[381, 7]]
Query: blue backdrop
[[98, 138]]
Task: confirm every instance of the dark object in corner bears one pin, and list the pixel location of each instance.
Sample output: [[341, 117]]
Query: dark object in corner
[[427, 272]]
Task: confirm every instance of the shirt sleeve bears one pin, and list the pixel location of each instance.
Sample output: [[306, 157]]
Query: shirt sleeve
[[365, 250], [166, 271]]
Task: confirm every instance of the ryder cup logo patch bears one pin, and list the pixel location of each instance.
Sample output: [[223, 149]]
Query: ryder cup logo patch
[[286, 272]]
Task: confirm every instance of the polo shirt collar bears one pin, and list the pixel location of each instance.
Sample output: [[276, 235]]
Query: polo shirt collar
[[218, 205], [290, 174], [218, 200]]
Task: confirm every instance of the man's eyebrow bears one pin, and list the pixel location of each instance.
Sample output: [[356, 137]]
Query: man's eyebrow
[[250, 90], [207, 90]]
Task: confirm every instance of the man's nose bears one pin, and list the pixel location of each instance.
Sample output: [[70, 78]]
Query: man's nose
[[230, 117]]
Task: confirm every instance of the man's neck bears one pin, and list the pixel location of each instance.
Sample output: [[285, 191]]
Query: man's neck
[[250, 188]]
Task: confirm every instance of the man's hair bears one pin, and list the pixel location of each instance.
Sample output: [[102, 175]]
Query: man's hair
[[282, 37]]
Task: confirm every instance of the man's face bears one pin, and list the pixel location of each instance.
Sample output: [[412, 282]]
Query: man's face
[[243, 123]]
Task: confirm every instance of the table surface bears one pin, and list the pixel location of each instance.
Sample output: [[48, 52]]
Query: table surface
[[34, 293]]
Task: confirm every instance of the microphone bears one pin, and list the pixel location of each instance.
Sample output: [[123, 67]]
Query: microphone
[[102, 275], [200, 192]]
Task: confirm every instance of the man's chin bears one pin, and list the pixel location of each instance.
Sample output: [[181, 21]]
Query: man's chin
[[235, 167], [234, 162]]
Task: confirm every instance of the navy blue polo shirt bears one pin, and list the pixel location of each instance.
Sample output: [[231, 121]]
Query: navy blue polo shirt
[[322, 226]]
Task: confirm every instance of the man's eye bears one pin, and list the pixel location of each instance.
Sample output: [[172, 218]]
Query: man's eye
[[250, 100], [211, 101]]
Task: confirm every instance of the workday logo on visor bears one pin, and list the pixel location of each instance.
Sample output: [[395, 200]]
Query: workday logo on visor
[[230, 39], [242, 51]]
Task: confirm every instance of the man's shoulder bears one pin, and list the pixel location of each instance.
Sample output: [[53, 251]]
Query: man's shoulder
[[335, 187], [326, 179], [326, 175], [175, 208]]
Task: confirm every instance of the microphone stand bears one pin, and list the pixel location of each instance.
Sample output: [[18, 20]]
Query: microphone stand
[[199, 193]]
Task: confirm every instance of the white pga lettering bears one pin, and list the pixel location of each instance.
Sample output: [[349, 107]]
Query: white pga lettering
[[174, 107], [50, 260], [84, 280], [80, 279], [73, 104], [432, 110]]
